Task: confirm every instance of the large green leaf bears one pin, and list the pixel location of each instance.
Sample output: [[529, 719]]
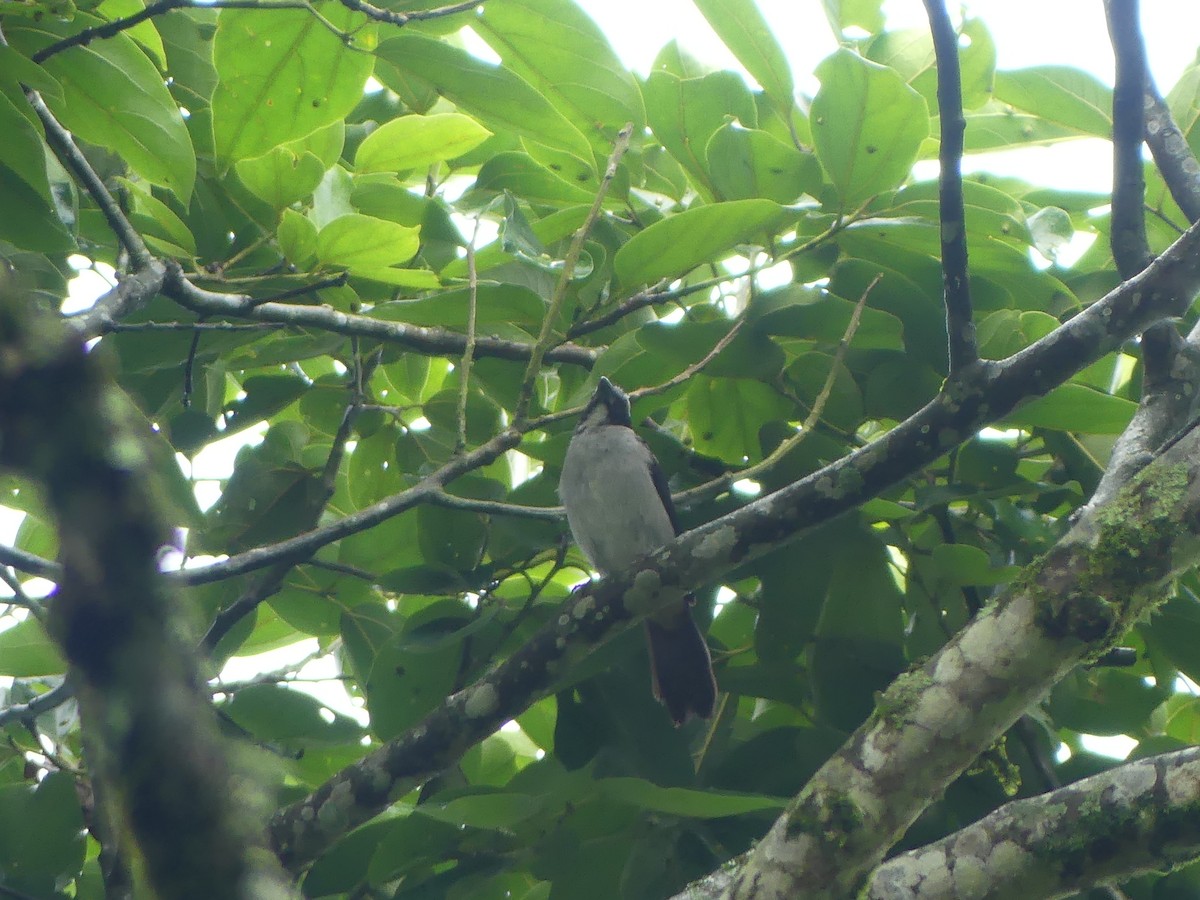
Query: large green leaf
[[556, 48], [1059, 94], [283, 75], [745, 163], [681, 242], [113, 96], [1074, 407], [746, 33], [867, 126], [685, 113], [502, 100], [415, 142], [26, 651]]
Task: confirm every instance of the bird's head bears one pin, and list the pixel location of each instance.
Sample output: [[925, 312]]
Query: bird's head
[[609, 406]]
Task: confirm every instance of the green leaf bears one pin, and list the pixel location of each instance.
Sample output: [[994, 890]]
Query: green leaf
[[297, 237], [42, 829], [144, 32], [867, 126], [283, 75], [741, 25], [155, 219], [365, 244], [685, 802], [16, 70], [679, 243], [1104, 701], [1061, 95], [272, 712], [416, 142], [490, 811], [523, 176], [22, 149], [864, 14], [113, 96], [962, 564], [495, 95], [556, 48], [747, 163], [727, 415], [26, 651], [686, 112], [29, 222], [292, 172], [1074, 407]]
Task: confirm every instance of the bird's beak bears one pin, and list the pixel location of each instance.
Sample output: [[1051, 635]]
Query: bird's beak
[[605, 388]]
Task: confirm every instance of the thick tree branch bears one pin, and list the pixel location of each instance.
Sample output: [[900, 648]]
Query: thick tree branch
[[62, 424], [1140, 817], [931, 723], [960, 322], [980, 395]]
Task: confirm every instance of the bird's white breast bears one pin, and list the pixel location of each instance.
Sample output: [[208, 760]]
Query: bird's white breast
[[612, 505]]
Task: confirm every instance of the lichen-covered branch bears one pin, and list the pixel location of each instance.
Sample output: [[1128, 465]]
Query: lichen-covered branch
[[1171, 152], [932, 722], [62, 424], [1140, 817]]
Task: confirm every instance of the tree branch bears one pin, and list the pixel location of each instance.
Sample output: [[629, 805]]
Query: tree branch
[[1140, 817], [433, 341], [63, 425], [1129, 245], [960, 322], [401, 19], [1171, 153]]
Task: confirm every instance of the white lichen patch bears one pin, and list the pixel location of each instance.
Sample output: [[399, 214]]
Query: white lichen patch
[[949, 666], [939, 708], [1007, 858], [1182, 786], [970, 878], [717, 544], [482, 701], [583, 607]]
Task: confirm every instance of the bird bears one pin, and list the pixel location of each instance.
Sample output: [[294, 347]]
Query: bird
[[619, 508]]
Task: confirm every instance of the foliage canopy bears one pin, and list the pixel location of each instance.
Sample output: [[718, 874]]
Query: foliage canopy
[[762, 270]]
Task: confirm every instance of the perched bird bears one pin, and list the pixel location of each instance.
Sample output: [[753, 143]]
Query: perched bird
[[619, 507]]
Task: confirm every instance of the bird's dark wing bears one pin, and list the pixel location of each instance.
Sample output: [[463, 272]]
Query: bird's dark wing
[[664, 490]]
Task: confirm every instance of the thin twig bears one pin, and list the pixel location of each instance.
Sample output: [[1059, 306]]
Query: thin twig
[[960, 321], [722, 482], [115, 27], [19, 597], [695, 368], [546, 336], [464, 366], [401, 19]]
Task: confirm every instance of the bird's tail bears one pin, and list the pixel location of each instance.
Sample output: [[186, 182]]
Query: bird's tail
[[681, 669]]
